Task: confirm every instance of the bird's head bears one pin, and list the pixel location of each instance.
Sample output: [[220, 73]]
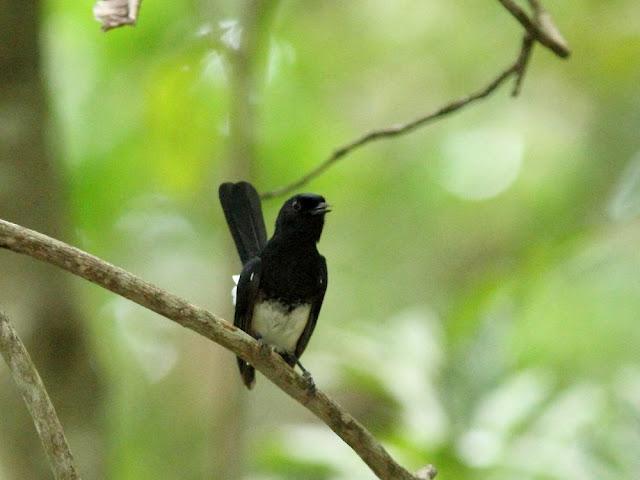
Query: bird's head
[[303, 214]]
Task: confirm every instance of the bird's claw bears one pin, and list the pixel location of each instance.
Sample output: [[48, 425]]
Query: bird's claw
[[265, 348], [311, 384]]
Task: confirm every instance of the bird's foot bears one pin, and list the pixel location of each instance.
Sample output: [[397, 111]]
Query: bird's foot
[[311, 384], [265, 348]]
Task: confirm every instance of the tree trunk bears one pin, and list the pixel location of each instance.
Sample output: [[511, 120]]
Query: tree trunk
[[37, 297]]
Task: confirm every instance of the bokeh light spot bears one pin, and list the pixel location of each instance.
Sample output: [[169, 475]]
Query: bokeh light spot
[[480, 164]]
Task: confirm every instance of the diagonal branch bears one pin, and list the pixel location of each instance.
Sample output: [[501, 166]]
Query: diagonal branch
[[517, 68], [22, 240], [37, 401]]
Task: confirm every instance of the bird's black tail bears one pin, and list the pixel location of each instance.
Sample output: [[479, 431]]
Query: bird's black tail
[[247, 372], [243, 211]]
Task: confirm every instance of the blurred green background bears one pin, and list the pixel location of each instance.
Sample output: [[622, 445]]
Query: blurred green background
[[484, 272]]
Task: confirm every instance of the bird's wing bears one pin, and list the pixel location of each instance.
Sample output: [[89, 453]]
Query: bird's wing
[[243, 212], [246, 297], [315, 310]]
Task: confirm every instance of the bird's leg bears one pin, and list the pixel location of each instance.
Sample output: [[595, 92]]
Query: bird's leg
[[311, 385], [293, 361]]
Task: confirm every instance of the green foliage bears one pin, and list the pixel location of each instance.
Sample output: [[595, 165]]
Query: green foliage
[[484, 294]]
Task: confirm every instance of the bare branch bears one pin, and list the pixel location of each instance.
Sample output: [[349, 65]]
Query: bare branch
[[116, 13], [37, 401], [22, 240], [546, 23], [517, 68], [542, 29], [525, 55]]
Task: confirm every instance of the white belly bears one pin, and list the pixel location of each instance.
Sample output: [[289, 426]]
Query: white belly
[[279, 327]]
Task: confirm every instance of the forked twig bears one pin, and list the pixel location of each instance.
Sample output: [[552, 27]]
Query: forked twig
[[540, 28]]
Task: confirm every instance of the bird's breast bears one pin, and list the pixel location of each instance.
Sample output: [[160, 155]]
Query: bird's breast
[[280, 325]]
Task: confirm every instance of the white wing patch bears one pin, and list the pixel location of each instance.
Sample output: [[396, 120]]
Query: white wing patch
[[234, 290], [279, 327]]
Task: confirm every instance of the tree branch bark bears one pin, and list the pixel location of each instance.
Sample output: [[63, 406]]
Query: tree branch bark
[[28, 242], [37, 401]]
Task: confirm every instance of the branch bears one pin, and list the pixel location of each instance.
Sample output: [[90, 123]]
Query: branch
[[517, 68], [22, 240], [38, 403], [116, 13], [542, 28]]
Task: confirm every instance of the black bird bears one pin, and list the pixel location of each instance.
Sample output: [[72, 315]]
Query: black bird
[[283, 280]]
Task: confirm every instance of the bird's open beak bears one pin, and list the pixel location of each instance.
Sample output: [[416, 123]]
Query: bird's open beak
[[323, 207]]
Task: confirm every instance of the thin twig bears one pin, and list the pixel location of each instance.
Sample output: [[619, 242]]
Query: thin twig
[[37, 401], [22, 240], [516, 68], [542, 29], [527, 49]]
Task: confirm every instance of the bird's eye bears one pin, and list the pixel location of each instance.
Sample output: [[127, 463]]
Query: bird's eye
[[296, 205]]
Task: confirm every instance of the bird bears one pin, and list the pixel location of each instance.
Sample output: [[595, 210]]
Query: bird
[[283, 280]]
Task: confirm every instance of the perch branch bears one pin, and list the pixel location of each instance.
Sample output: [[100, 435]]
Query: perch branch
[[37, 401], [517, 68], [22, 240]]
